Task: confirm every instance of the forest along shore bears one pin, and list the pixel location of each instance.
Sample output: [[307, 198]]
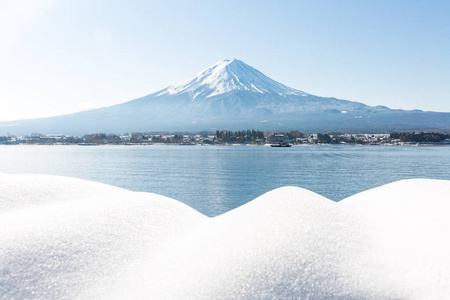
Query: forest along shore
[[225, 137]]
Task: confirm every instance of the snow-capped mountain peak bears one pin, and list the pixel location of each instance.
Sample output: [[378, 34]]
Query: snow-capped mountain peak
[[228, 76]]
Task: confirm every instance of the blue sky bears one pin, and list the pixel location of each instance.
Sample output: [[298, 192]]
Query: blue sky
[[64, 56]]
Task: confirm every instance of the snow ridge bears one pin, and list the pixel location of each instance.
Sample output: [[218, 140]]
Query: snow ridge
[[228, 76], [66, 238]]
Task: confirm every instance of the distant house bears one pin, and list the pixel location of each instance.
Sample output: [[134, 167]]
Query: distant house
[[277, 138]]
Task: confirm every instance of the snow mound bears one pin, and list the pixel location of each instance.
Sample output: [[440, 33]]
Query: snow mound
[[410, 225], [72, 239], [59, 236]]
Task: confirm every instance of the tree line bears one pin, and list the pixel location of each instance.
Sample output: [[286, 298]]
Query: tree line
[[423, 137], [242, 136]]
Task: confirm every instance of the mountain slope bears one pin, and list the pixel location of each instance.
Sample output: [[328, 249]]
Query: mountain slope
[[232, 95]]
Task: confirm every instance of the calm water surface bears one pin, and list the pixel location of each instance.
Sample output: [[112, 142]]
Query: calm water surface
[[216, 179]]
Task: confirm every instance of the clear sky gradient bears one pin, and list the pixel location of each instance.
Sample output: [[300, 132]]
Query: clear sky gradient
[[63, 56]]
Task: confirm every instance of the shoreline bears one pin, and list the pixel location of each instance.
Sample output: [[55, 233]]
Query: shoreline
[[239, 145]]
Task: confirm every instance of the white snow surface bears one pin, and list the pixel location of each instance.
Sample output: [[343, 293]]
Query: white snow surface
[[227, 76], [65, 238]]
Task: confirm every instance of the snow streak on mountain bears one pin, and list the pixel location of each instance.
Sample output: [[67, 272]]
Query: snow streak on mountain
[[232, 95]]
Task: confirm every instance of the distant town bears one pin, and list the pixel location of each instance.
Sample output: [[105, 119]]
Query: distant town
[[225, 137]]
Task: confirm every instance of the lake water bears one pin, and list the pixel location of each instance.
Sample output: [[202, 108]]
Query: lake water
[[216, 179]]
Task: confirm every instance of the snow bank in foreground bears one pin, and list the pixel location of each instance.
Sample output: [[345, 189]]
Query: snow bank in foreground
[[69, 238]]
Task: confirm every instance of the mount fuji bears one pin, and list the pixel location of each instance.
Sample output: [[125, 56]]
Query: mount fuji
[[233, 95]]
